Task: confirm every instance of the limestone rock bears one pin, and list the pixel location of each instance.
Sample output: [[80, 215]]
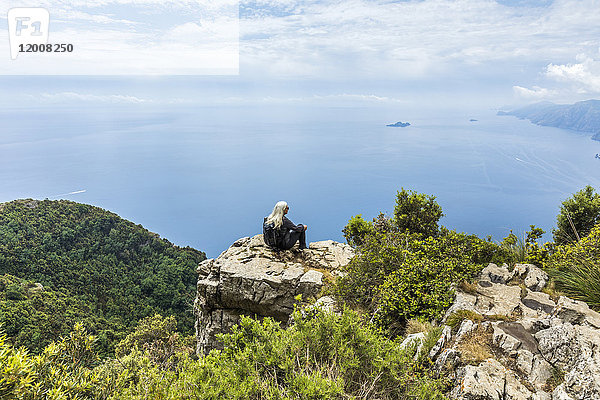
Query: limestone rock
[[466, 327], [34, 288], [414, 339], [250, 278], [576, 312], [537, 304], [447, 360], [490, 381], [495, 274], [573, 349], [534, 278]]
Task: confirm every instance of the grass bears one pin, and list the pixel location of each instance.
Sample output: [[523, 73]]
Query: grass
[[456, 318], [558, 377], [468, 287], [580, 281], [416, 326], [475, 347]]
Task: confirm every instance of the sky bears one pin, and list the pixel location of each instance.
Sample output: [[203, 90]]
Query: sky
[[360, 52]]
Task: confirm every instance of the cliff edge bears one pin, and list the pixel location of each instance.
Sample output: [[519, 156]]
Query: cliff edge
[[252, 279]]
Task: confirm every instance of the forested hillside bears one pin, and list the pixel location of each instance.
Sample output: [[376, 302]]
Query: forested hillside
[[94, 267]]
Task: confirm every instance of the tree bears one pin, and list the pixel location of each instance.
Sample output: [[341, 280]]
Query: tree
[[578, 215], [417, 213]]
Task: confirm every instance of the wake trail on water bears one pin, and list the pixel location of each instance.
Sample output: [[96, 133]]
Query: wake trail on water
[[70, 193]]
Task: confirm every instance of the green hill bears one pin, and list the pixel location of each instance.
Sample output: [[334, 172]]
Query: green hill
[[94, 266]]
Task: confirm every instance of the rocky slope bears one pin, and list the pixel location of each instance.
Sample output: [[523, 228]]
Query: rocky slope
[[583, 116], [516, 342], [250, 278]]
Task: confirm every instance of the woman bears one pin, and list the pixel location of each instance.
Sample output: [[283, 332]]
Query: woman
[[289, 233]]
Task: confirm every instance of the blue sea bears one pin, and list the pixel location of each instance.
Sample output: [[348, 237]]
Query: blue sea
[[206, 176]]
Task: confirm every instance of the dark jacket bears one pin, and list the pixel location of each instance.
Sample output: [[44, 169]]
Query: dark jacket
[[290, 226]]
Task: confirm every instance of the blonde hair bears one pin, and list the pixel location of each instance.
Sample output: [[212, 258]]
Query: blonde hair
[[276, 216]]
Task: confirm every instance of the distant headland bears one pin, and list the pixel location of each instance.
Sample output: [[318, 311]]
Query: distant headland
[[583, 116], [399, 124]]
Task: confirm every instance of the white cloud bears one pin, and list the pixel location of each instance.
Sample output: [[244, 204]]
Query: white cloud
[[583, 76], [365, 38], [536, 93]]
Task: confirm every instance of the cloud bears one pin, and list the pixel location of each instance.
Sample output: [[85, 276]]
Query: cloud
[[583, 76], [536, 93], [412, 39]]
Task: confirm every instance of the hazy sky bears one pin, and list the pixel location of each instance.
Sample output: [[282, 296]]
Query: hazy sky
[[468, 52]]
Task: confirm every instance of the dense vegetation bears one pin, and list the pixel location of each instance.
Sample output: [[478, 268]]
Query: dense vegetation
[[320, 356], [404, 274], [578, 215], [406, 266], [94, 267]]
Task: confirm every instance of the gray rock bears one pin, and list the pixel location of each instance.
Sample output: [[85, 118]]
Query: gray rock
[[560, 394], [416, 340], [448, 360], [34, 288], [495, 274], [326, 303], [466, 327], [576, 312], [534, 278], [537, 304], [250, 278], [462, 301], [573, 349], [498, 300], [490, 380]]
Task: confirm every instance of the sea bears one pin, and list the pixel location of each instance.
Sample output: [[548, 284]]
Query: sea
[[205, 176]]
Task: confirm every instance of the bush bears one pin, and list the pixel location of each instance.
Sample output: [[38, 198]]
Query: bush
[[575, 269], [62, 371], [157, 336], [320, 356], [399, 276], [357, 230], [578, 215], [417, 213]]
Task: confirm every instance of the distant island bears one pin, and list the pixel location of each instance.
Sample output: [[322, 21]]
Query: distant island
[[583, 116], [399, 125], [473, 120]]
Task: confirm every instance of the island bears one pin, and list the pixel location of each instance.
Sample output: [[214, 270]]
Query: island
[[399, 125], [473, 120], [583, 116]]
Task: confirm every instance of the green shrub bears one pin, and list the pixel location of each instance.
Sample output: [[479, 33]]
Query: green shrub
[[578, 215], [357, 230], [417, 213], [575, 268], [456, 318], [320, 356], [399, 276]]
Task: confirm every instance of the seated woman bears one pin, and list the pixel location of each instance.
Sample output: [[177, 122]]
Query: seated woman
[[286, 232]]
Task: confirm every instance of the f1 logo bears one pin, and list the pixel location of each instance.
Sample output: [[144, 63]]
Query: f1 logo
[[27, 25]]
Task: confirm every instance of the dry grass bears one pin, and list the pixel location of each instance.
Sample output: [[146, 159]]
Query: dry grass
[[468, 287], [550, 290], [416, 326], [475, 347], [456, 318], [558, 377]]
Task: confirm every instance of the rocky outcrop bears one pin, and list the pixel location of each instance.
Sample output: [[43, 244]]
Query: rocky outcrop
[[250, 278], [516, 342]]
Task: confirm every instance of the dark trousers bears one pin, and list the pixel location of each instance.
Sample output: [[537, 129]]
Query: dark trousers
[[293, 238]]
